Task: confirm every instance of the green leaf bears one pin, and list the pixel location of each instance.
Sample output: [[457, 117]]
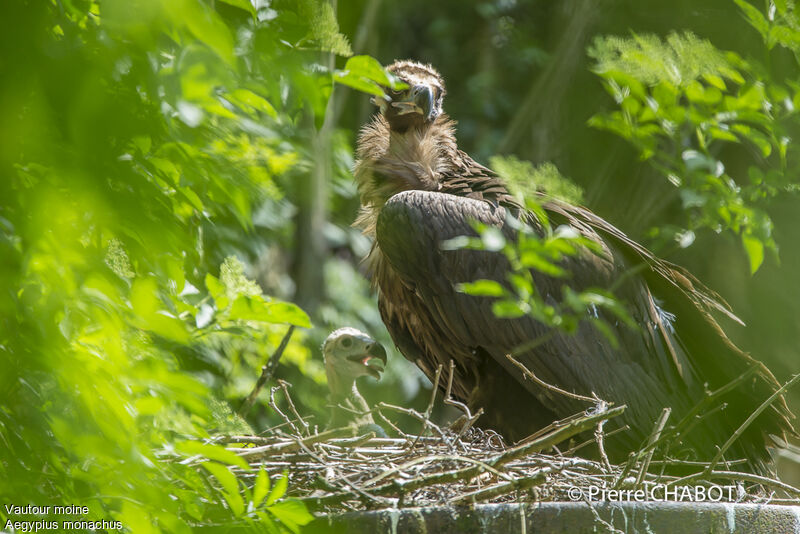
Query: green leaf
[[205, 24], [214, 287], [723, 135], [291, 513], [482, 288], [365, 73], [279, 489], [358, 83], [534, 260], [242, 4], [716, 81], [261, 487], [149, 312], [248, 99], [369, 68], [755, 251], [507, 309], [230, 486], [212, 452], [257, 309], [754, 17]]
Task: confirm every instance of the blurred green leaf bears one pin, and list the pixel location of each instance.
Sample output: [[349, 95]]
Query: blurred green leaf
[[755, 252], [482, 288], [278, 489], [261, 487], [507, 309], [365, 74], [754, 17], [242, 4], [291, 513], [230, 486], [212, 452]]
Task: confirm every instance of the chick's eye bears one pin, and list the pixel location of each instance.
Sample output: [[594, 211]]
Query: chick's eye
[[347, 343]]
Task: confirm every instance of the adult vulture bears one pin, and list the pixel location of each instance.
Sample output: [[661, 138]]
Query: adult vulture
[[418, 189]]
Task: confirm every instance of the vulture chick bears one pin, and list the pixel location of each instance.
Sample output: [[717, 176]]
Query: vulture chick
[[349, 354], [418, 189]]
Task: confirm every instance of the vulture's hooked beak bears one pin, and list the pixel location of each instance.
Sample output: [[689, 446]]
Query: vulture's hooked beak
[[420, 100], [374, 359]]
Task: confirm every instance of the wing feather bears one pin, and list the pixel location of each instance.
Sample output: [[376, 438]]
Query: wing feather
[[410, 230]]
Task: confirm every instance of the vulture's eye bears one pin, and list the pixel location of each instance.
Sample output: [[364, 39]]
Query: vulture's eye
[[347, 343]]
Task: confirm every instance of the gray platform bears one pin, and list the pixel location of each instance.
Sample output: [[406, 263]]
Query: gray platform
[[570, 517]]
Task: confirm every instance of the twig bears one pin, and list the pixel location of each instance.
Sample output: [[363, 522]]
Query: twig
[[274, 406], [427, 415], [391, 424], [413, 413], [446, 458], [354, 487], [764, 405], [662, 421], [579, 446], [503, 488], [602, 407], [710, 397], [266, 372], [575, 426], [553, 426], [528, 373], [735, 475], [285, 387], [468, 417], [290, 446]]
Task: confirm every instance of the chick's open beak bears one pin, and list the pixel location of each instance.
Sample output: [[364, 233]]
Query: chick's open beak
[[373, 358]]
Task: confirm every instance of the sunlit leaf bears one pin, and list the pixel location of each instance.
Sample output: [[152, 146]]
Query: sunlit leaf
[[482, 288], [261, 487], [278, 489], [755, 251], [212, 452], [507, 309], [242, 4], [292, 513]]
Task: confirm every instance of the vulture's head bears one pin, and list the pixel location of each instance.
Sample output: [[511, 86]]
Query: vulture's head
[[349, 354], [417, 105]]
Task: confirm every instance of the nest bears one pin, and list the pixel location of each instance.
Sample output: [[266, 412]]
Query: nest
[[336, 470]]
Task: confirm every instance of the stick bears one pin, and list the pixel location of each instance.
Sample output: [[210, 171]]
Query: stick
[[529, 374], [502, 488], [427, 415], [291, 446], [575, 426], [579, 446], [285, 387], [469, 419], [764, 405], [266, 373], [602, 407], [662, 421]]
